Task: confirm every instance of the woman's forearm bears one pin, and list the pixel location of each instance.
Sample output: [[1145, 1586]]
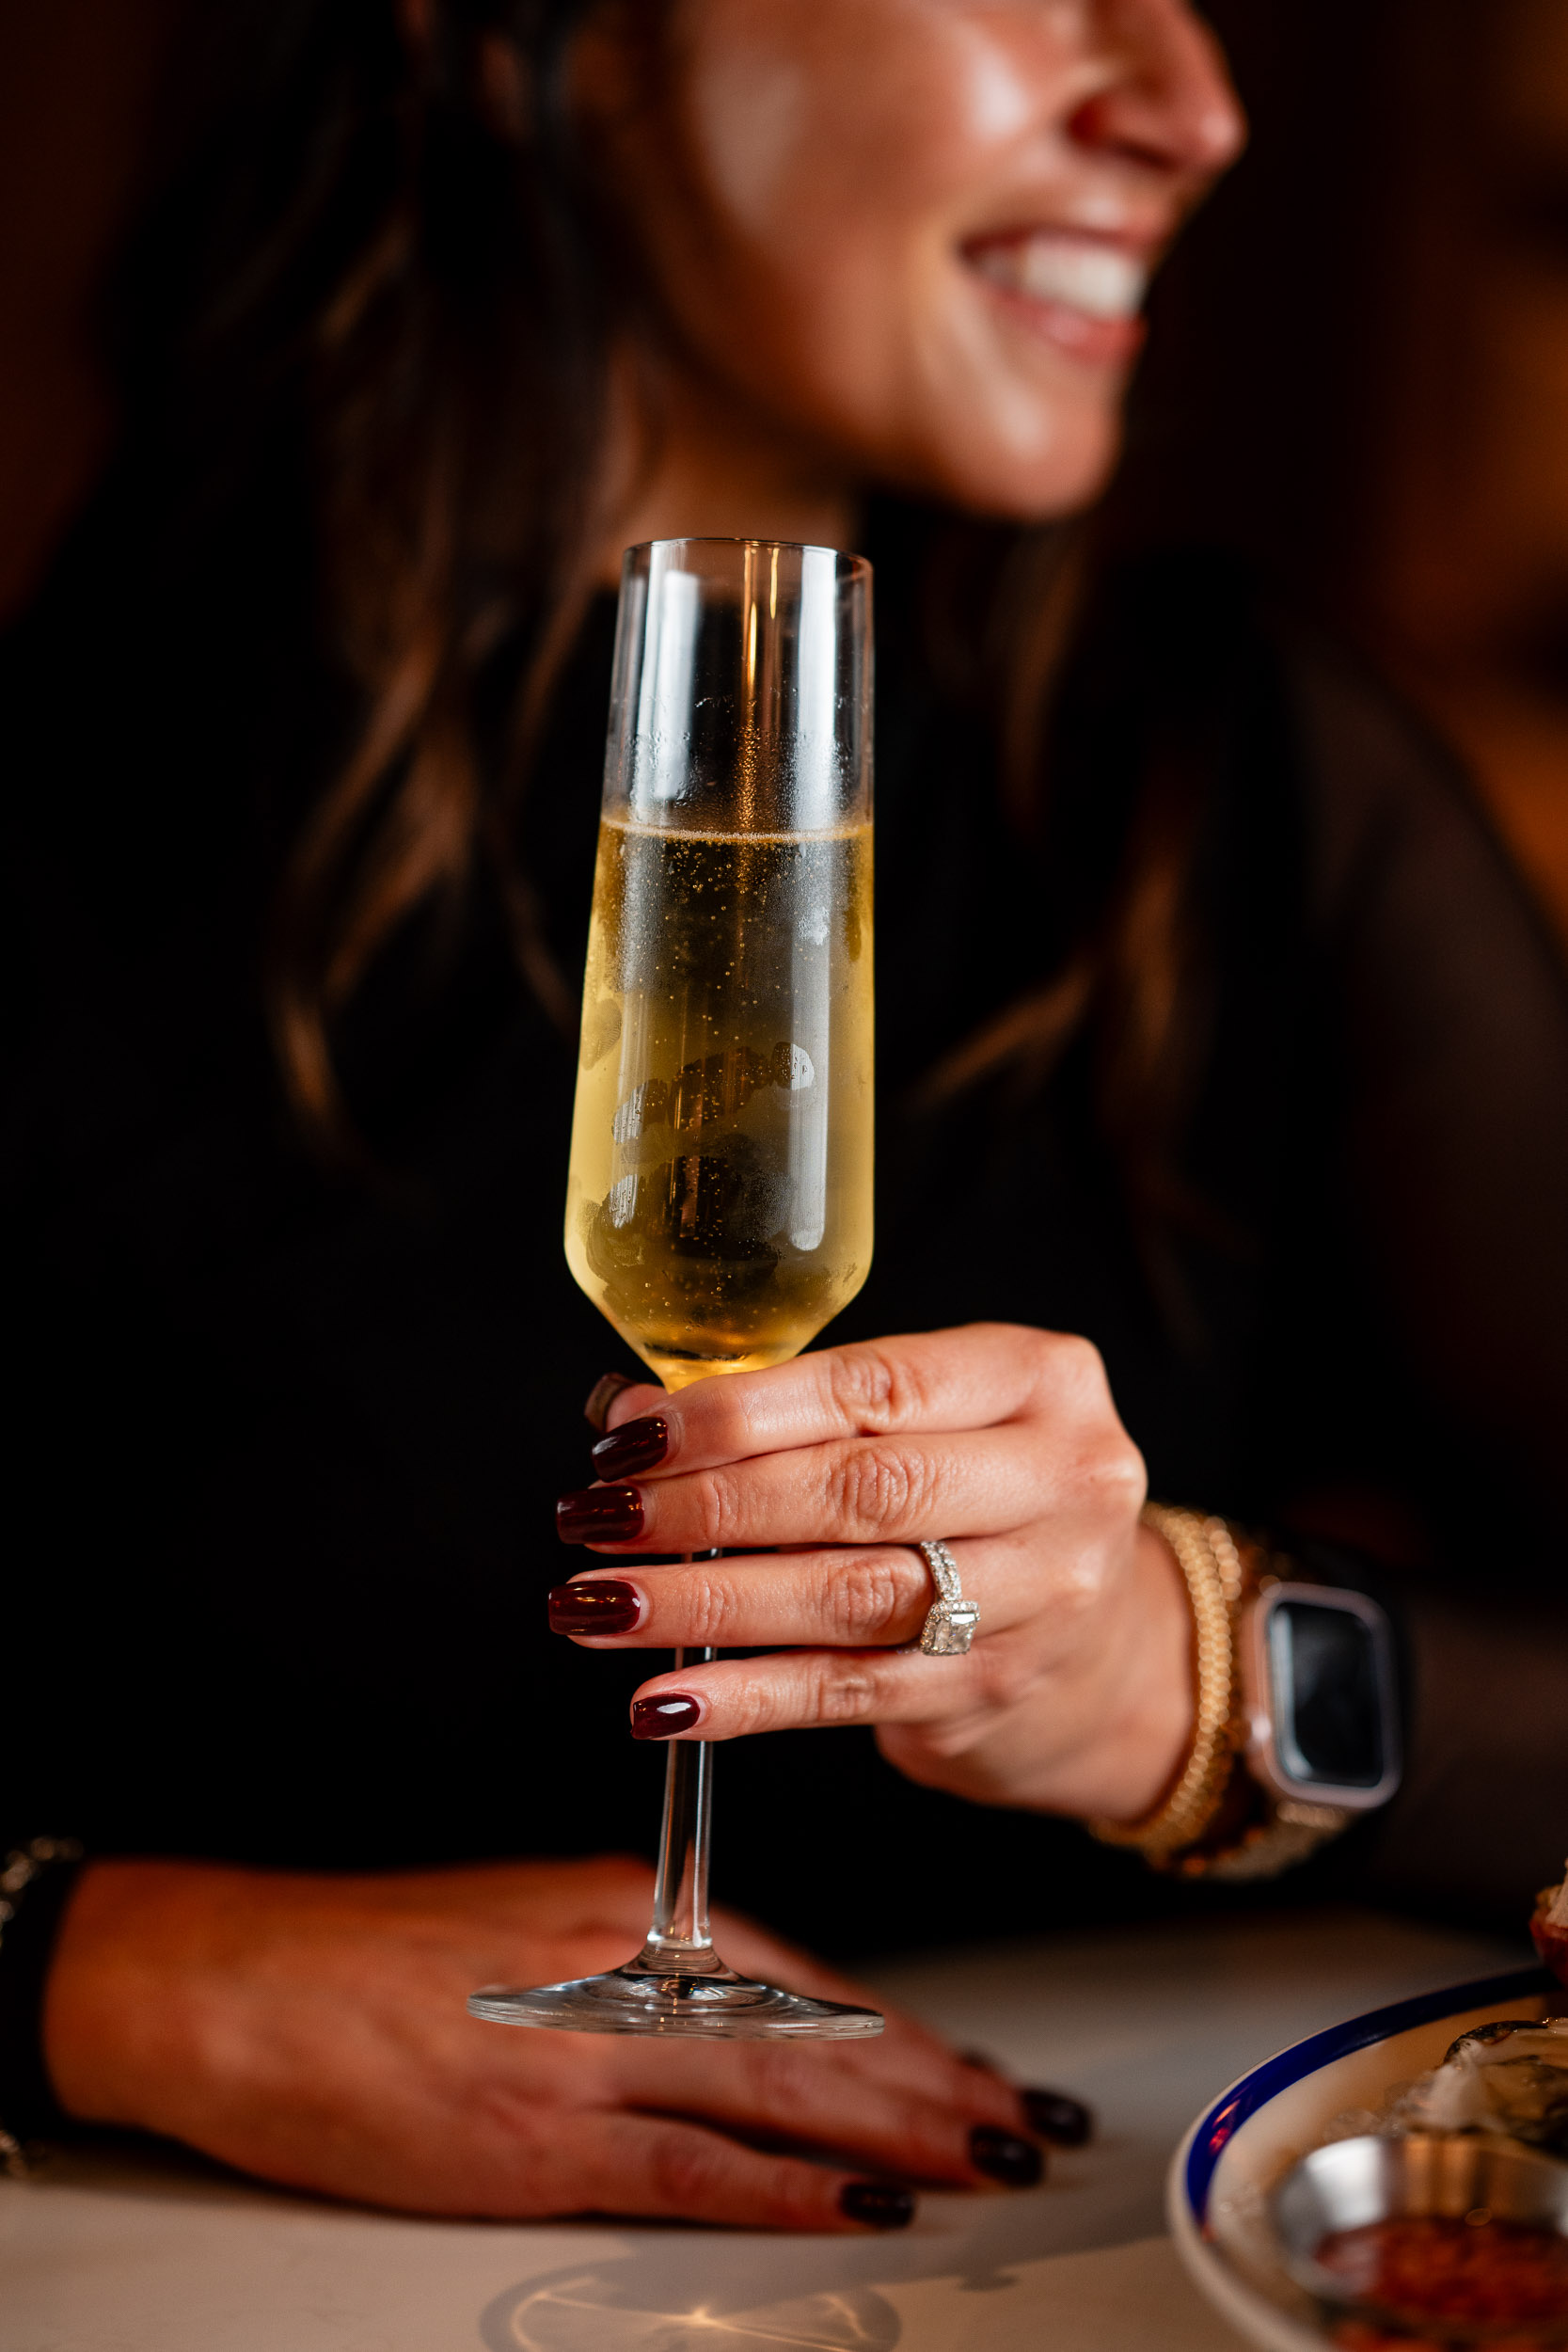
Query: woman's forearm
[[1481, 1820]]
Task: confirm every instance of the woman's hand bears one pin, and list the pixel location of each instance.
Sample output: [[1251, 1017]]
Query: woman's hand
[[312, 2030], [1076, 1696]]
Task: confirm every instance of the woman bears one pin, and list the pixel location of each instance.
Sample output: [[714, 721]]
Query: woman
[[1175, 1019]]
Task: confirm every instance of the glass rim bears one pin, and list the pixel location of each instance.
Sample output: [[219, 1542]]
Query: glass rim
[[854, 564]]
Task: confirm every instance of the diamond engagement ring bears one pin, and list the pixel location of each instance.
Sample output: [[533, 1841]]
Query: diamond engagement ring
[[950, 1622]]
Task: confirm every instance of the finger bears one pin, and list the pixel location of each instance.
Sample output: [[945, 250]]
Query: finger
[[615, 1399], [870, 2115], [920, 2057], [814, 1689], [857, 1490], [657, 2168], [839, 1599], [601, 1396], [971, 1378]]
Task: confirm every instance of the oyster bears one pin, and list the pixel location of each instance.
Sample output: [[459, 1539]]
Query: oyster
[[1511, 2078]]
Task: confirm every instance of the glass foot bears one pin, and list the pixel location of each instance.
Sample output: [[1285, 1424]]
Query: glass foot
[[715, 2003]]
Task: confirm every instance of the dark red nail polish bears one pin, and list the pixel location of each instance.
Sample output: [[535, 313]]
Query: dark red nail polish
[[879, 2205], [599, 1515], [1002, 2157], [1055, 2116], [603, 1606], [637, 1445], [660, 1718], [601, 1396]]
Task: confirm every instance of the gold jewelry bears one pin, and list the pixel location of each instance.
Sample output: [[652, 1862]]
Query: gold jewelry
[[1290, 1831], [1215, 1578]]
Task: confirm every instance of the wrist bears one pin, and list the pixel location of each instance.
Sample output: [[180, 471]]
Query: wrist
[[114, 2029], [1143, 1716], [1219, 1819]]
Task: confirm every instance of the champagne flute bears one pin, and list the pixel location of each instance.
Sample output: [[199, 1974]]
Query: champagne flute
[[719, 1202]]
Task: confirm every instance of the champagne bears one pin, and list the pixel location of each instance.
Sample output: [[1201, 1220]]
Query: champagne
[[719, 1205]]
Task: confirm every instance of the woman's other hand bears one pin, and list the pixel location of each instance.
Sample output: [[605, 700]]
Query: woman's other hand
[[822, 1475], [312, 2030]]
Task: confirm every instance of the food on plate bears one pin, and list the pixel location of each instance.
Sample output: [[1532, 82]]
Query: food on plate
[[1438, 2216], [1509, 2077], [1475, 2271], [1549, 1928], [1365, 2335], [1421, 2264]]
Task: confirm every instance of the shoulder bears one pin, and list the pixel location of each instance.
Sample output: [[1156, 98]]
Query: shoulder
[[1443, 962], [1296, 734], [1392, 816]]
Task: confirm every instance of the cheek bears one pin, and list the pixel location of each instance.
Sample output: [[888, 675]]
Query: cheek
[[892, 356], [897, 103], [749, 119], [836, 172]]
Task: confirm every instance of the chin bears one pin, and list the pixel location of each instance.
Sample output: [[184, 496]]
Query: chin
[[1063, 472]]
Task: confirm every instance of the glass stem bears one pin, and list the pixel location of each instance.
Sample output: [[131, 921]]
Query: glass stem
[[679, 1937]]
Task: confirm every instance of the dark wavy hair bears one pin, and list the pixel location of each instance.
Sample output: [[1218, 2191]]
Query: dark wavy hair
[[377, 222]]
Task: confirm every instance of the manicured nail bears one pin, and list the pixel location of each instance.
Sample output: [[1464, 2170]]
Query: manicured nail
[[608, 1515], [1000, 2157], [660, 1718], [878, 2203], [604, 1606], [1067, 2121], [601, 1396], [637, 1445]]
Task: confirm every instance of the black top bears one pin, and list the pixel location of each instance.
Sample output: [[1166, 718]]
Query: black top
[[283, 1445]]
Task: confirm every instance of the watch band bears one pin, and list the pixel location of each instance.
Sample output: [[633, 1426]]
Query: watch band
[[1291, 1829]]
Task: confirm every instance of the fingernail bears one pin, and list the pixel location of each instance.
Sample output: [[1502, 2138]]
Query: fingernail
[[878, 2203], [981, 2060], [660, 1718], [601, 1396], [637, 1445], [1055, 2116], [599, 1515], [604, 1606], [1000, 2157]]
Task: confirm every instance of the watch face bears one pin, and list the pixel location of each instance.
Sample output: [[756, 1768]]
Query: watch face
[[1326, 1690]]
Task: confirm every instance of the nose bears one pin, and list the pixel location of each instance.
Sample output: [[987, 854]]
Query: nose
[[1166, 99]]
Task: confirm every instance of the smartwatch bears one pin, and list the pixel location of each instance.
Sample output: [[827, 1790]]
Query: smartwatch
[[1318, 1698]]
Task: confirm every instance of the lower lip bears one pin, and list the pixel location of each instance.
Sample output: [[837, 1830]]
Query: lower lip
[[1098, 342]]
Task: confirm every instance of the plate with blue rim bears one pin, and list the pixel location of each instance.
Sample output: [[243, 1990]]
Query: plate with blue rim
[[1246, 2139]]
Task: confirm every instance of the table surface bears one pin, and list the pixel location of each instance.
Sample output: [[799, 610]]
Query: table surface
[[106, 2251]]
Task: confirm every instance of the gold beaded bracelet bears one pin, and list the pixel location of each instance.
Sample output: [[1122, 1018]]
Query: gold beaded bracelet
[[1211, 1565]]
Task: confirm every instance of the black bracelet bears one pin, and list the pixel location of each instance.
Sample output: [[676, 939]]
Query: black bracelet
[[35, 1886]]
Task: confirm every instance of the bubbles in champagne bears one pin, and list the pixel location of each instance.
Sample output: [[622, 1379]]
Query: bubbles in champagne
[[720, 1204]]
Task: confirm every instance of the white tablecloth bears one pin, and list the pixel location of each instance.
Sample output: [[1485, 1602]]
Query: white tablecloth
[[112, 2249]]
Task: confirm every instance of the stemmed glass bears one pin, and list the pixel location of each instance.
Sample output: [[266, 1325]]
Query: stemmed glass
[[718, 1203]]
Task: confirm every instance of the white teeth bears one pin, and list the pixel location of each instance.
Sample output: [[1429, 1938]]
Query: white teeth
[[1101, 279]]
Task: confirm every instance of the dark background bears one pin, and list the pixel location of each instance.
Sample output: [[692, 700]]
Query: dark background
[[1359, 367]]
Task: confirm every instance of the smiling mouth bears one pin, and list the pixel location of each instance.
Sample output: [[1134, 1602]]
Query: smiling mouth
[[1082, 291], [1104, 281]]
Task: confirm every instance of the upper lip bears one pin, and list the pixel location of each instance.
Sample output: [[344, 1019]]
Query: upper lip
[[1143, 239]]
